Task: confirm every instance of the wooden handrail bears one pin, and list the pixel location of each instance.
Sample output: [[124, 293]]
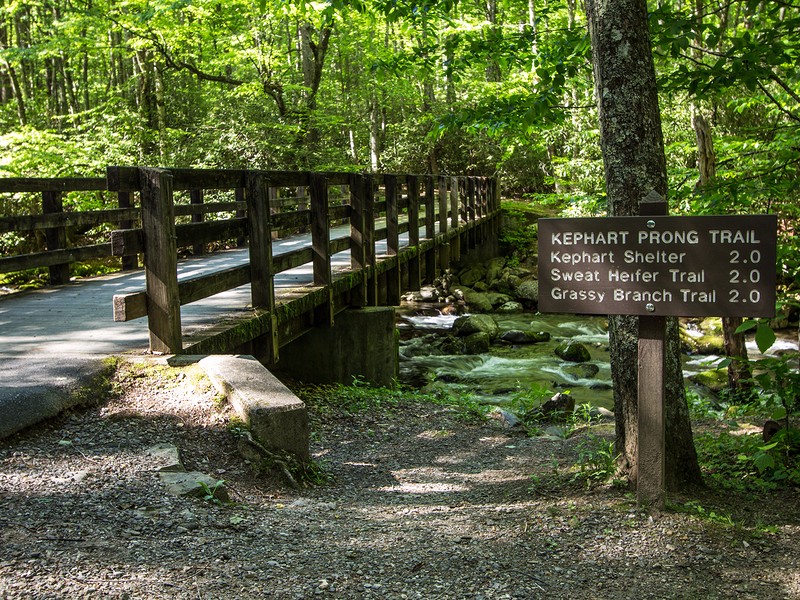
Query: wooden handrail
[[454, 212]]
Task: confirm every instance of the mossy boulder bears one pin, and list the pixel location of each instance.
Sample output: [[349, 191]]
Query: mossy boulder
[[582, 370], [497, 299], [469, 324], [715, 380], [472, 275], [476, 301], [573, 352], [477, 343], [528, 291], [494, 269], [517, 336], [510, 307]]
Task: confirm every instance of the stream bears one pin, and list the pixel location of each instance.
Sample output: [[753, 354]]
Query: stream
[[494, 377]]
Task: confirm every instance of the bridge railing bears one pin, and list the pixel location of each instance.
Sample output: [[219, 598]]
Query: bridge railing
[[40, 228], [42, 232], [378, 207]]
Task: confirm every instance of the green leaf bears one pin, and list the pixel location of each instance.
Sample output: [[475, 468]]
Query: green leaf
[[765, 337], [746, 326], [779, 413], [763, 461]]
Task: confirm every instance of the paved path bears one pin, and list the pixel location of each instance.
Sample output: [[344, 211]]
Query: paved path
[[54, 340]]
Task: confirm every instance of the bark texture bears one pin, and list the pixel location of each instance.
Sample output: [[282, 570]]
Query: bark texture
[[635, 164]]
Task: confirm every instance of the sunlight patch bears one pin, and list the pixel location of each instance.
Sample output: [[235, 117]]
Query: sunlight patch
[[423, 488], [436, 434]]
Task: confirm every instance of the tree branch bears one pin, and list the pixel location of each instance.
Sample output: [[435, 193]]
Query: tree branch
[[780, 106], [181, 65]]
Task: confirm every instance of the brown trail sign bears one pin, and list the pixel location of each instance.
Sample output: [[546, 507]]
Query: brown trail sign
[[656, 266], [659, 265]]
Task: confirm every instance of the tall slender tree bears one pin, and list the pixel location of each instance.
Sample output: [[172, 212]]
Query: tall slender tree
[[634, 161]]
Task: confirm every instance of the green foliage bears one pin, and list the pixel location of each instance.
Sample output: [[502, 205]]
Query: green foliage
[[525, 400], [698, 510], [211, 492], [356, 398], [758, 466], [597, 459]]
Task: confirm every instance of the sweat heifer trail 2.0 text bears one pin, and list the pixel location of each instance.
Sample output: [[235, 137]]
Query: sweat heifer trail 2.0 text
[[679, 266]]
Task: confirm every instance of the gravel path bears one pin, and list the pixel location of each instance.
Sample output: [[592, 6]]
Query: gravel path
[[424, 505]]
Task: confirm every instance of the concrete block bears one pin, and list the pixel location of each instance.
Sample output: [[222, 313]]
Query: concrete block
[[275, 416]]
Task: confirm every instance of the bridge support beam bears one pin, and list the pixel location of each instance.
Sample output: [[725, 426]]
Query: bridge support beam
[[360, 344]]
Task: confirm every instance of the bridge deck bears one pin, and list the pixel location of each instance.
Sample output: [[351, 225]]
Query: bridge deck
[[52, 339]]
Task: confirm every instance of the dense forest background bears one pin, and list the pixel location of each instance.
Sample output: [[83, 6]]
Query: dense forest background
[[494, 87]]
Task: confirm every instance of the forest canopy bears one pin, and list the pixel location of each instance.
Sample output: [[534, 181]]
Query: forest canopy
[[495, 87]]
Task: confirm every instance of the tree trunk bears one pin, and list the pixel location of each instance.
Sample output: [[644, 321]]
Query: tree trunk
[[739, 374], [375, 133], [493, 74], [635, 164]]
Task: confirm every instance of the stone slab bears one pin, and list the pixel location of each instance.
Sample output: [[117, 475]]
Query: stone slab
[[276, 417]]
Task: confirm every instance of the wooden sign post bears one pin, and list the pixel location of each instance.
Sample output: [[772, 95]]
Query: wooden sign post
[[652, 364], [655, 266]]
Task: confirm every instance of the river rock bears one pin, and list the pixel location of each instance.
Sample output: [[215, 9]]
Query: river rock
[[472, 275], [429, 293], [556, 408], [477, 343], [165, 457], [538, 336], [510, 307], [528, 290], [194, 484], [426, 345], [582, 370], [515, 336], [573, 352], [469, 324], [494, 269], [702, 336], [715, 380], [507, 283], [475, 300], [497, 299]]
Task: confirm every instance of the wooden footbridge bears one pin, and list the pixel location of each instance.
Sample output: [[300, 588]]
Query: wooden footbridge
[[351, 240]]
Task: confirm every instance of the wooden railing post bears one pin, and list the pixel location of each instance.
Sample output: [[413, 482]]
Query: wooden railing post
[[444, 246], [368, 207], [358, 238], [160, 261], [392, 224], [471, 212], [393, 290], [430, 228], [259, 230], [55, 237], [321, 246], [274, 205], [131, 261], [412, 186], [239, 196], [196, 199], [455, 244]]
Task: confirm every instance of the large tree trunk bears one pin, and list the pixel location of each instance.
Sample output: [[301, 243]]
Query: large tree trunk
[[635, 164]]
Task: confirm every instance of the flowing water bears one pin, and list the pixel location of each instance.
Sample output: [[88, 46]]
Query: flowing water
[[508, 369]]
